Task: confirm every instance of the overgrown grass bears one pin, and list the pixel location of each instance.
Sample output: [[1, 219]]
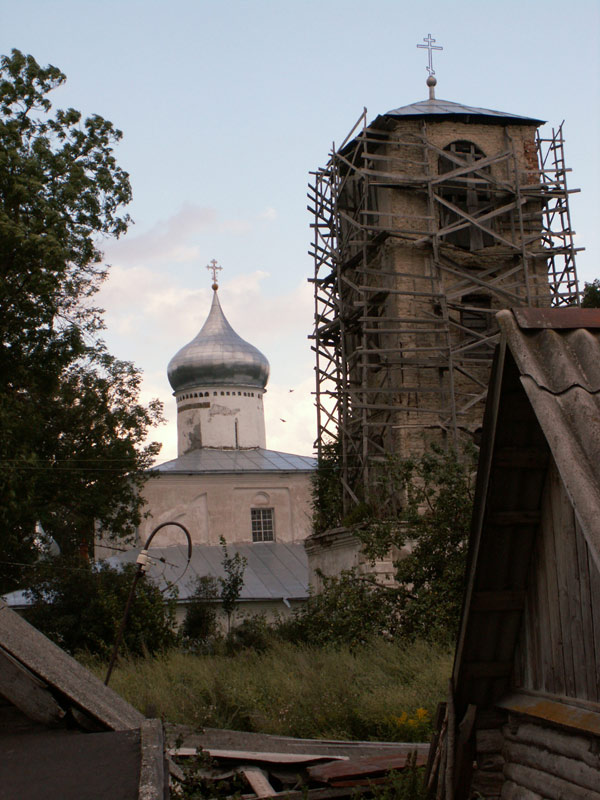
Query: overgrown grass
[[381, 691]]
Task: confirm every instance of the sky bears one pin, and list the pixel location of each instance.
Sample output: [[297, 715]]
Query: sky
[[227, 105]]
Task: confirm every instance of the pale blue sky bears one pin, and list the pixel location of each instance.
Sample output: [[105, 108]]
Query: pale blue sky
[[226, 106]]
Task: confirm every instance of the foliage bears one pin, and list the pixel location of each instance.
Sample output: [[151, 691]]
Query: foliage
[[382, 690], [80, 606], [590, 297], [348, 611], [433, 530], [233, 582], [71, 449], [200, 622], [326, 489], [252, 633]]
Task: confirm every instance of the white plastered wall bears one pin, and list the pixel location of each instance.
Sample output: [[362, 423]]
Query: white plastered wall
[[214, 505], [231, 417]]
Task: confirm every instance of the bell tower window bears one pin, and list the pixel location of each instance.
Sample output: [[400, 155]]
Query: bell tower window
[[468, 192]]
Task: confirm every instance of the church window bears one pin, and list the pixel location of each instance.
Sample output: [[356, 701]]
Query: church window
[[214, 394], [263, 526], [468, 192]]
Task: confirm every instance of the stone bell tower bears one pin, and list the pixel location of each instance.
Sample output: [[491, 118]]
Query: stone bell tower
[[427, 221]]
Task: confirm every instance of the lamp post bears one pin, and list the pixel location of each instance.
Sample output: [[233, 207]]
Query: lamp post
[[142, 562]]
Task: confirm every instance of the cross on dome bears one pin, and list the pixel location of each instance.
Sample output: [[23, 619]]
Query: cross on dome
[[430, 46], [214, 268]]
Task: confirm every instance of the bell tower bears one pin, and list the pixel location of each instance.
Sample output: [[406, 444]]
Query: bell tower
[[427, 221]]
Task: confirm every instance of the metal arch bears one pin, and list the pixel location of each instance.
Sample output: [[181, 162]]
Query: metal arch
[[142, 561]]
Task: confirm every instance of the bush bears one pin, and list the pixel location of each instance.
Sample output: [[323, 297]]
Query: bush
[[253, 633], [349, 610], [200, 624], [80, 606]]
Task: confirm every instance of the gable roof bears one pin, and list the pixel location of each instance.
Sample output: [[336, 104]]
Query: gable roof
[[543, 403]]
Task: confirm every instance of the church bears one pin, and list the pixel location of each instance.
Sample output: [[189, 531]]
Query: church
[[224, 483]]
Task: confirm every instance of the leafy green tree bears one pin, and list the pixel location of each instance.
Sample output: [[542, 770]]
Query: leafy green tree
[[433, 531], [425, 527], [590, 297], [56, 591], [71, 449], [233, 582]]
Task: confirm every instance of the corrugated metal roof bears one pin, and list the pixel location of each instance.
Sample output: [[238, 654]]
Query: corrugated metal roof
[[446, 108], [560, 372], [274, 570], [543, 406], [207, 460]]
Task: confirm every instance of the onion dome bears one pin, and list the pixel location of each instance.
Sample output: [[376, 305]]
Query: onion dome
[[217, 356]]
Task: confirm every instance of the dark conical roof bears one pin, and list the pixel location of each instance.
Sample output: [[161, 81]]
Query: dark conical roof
[[217, 356]]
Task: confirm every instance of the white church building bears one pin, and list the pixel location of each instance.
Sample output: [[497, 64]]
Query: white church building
[[224, 482]]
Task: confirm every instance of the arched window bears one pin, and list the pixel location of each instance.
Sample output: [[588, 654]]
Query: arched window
[[468, 192]]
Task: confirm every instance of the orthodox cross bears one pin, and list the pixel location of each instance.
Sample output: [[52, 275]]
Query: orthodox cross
[[214, 268], [430, 46]]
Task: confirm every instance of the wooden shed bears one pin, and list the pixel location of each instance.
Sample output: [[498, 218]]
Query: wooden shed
[[523, 712], [63, 733]]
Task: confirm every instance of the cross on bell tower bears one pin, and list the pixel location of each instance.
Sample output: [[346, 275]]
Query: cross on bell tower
[[430, 46]]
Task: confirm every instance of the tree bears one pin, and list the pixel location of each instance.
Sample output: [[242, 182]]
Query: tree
[[433, 528], [233, 582], [56, 591], [590, 297], [71, 448], [423, 516]]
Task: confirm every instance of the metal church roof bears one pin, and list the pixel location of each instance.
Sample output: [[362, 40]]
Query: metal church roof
[[446, 109], [274, 570], [217, 356], [208, 460]]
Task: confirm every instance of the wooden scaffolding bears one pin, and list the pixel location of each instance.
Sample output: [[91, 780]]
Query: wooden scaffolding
[[400, 350]]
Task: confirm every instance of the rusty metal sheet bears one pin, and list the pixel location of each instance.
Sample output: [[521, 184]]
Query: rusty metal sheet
[[557, 318], [354, 770]]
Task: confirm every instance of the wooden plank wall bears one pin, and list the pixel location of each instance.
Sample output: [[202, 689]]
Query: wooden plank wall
[[559, 644]]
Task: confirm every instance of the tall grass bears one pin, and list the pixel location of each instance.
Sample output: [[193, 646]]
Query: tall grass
[[381, 691]]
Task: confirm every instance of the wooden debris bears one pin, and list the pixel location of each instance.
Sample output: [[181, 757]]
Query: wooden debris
[[259, 781]]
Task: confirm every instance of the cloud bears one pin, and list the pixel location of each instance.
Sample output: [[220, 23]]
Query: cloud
[[269, 214], [172, 240]]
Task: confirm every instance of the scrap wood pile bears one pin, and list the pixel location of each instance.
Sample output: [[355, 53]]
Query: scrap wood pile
[[250, 766]]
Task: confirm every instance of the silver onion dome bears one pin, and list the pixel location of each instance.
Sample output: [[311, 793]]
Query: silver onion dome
[[217, 356]]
